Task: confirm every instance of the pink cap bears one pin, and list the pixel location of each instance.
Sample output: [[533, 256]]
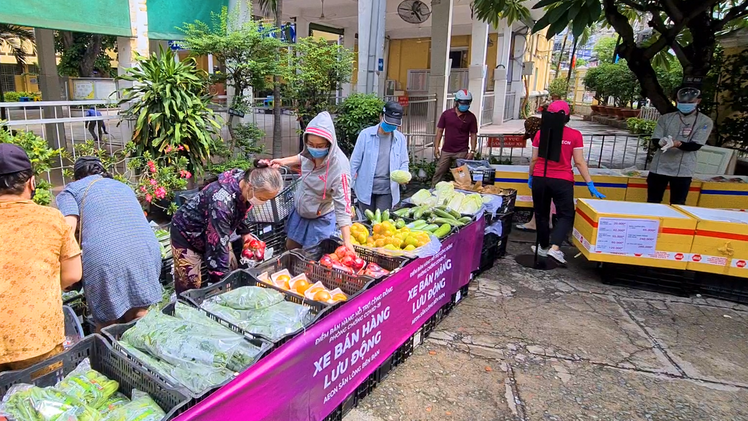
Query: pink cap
[[558, 106]]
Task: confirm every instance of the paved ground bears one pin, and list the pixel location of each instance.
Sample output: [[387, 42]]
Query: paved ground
[[560, 345]]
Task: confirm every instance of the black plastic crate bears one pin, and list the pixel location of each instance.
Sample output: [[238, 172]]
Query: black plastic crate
[[114, 333], [490, 252], [670, 281], [509, 199], [479, 170], [277, 209], [296, 264], [329, 245], [722, 287], [243, 278], [106, 361]]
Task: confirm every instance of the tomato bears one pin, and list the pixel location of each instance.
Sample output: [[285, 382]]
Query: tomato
[[326, 261], [341, 251], [358, 263], [347, 261]]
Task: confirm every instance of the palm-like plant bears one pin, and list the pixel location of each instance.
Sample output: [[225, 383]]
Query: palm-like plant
[[14, 36]]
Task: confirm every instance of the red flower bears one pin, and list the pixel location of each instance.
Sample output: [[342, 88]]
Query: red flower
[[153, 182], [143, 189], [148, 197], [160, 193], [168, 149], [180, 148]]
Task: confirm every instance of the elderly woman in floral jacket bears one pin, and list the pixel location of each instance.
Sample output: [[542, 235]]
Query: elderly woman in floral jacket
[[201, 228]]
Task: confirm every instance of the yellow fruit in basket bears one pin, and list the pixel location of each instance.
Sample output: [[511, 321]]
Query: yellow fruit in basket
[[379, 243], [301, 286], [322, 296], [337, 297], [391, 247], [410, 247], [377, 229], [361, 237]]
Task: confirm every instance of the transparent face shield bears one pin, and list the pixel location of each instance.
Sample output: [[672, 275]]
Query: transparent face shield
[[688, 95]]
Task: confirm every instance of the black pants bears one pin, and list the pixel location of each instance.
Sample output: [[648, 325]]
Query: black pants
[[657, 184], [378, 201], [561, 192]]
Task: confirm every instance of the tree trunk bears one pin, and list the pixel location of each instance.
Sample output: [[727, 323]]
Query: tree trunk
[[277, 132], [645, 73], [571, 62], [561, 54], [88, 61]]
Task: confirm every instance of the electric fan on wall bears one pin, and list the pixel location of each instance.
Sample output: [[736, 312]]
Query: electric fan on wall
[[414, 11]]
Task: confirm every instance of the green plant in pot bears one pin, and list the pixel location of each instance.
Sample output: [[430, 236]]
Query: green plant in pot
[[158, 179], [558, 89], [41, 157], [169, 108], [356, 113]]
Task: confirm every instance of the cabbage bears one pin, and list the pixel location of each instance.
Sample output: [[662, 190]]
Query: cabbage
[[444, 192], [456, 201], [400, 176], [420, 198], [471, 204], [487, 199]]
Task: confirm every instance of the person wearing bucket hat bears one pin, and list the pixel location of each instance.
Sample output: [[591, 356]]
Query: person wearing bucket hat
[[39, 257], [379, 150], [120, 278], [678, 136]]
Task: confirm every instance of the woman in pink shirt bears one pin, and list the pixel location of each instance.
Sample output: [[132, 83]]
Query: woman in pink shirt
[[555, 183]]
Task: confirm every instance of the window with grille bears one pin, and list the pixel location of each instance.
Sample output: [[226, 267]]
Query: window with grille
[[8, 77]]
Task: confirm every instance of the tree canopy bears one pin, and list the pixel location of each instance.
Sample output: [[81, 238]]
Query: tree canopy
[[689, 27]]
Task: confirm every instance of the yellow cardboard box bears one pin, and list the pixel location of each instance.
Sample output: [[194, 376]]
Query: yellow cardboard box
[[636, 191], [723, 194], [608, 182], [515, 177], [641, 234], [720, 244]]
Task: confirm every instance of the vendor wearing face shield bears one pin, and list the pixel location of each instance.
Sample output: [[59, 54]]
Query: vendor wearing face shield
[[379, 150], [678, 135]]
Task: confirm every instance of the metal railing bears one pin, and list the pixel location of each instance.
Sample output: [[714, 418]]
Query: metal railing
[[612, 151], [487, 111], [64, 125], [509, 105], [420, 115]]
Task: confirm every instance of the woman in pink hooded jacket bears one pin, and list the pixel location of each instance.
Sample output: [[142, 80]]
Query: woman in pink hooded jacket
[[323, 195]]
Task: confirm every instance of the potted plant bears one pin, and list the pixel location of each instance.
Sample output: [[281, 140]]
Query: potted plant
[[158, 179], [558, 89], [169, 107]]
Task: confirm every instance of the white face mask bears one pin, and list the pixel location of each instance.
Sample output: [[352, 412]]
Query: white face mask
[[257, 202]]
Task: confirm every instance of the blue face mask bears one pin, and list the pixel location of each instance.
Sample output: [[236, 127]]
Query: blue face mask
[[686, 107], [387, 127], [318, 152], [463, 108]]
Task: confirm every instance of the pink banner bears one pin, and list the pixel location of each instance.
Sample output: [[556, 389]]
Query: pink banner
[[308, 377]]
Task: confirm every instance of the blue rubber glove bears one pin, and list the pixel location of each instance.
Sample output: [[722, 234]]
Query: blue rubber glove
[[529, 181], [593, 191]]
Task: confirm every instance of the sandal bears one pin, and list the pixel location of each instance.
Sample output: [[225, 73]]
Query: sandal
[[522, 227]]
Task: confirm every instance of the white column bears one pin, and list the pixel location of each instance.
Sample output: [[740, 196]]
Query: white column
[[477, 70], [518, 63], [349, 42], [441, 35], [128, 48], [501, 71], [370, 43], [302, 27], [49, 84]]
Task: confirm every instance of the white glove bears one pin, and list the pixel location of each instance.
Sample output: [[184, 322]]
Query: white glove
[[663, 141], [668, 143]]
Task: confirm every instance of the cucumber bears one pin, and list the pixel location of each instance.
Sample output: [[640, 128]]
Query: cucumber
[[386, 215], [403, 212], [455, 214], [399, 223], [443, 214], [448, 221], [369, 215], [466, 219], [420, 223], [442, 231], [377, 217], [418, 213], [431, 228]]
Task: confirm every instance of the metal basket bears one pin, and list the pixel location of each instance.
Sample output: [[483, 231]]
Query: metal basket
[[278, 208]]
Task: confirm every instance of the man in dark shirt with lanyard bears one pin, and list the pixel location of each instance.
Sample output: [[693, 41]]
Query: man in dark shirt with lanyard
[[679, 135], [460, 125]]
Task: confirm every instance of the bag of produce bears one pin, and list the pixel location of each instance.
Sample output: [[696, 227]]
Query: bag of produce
[[87, 385], [24, 402], [273, 322], [248, 298], [115, 401], [141, 408]]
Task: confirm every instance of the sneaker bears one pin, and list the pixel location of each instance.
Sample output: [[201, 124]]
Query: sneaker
[[541, 251], [557, 255]]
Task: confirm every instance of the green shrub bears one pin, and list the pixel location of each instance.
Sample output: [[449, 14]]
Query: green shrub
[[16, 96], [641, 126], [558, 88], [41, 156], [356, 113]]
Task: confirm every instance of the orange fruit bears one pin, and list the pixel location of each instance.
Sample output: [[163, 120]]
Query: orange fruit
[[322, 296], [339, 297], [377, 228], [282, 278], [301, 286], [283, 284]]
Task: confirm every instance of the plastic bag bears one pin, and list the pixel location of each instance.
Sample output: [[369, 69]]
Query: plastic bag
[[31, 403], [247, 298], [141, 408], [273, 322], [87, 385], [115, 401]]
